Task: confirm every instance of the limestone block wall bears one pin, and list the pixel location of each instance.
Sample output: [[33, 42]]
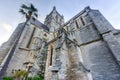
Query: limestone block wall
[[52, 57], [62, 74], [17, 61], [117, 36], [4, 49], [23, 42], [88, 34], [37, 46], [48, 69], [75, 70], [15, 33], [84, 30], [36, 40], [98, 50], [101, 61], [21, 51], [106, 30], [99, 20], [85, 34], [98, 44], [48, 72]]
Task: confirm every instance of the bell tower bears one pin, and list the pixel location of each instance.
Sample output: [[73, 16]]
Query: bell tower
[[54, 20]]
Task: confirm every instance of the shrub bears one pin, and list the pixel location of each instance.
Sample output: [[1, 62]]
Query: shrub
[[7, 78], [41, 77], [36, 78]]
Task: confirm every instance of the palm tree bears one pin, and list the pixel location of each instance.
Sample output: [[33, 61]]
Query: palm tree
[[29, 12]]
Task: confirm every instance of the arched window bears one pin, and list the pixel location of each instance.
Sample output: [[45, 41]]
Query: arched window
[[81, 18], [51, 54], [76, 24], [56, 18]]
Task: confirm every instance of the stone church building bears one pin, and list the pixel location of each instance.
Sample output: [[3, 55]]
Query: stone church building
[[86, 47]]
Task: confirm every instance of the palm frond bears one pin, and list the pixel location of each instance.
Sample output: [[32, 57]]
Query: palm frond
[[33, 8], [36, 15], [22, 11], [29, 11], [24, 6], [33, 18]]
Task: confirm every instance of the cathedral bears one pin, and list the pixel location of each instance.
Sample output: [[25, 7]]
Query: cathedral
[[87, 47]]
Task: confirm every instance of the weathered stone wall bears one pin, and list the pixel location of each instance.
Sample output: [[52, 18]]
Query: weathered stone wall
[[24, 40], [75, 69], [85, 34], [88, 48], [117, 36], [63, 57], [4, 49], [21, 51], [90, 30], [101, 61], [48, 70], [101, 55]]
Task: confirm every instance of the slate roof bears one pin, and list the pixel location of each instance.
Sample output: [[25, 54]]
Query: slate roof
[[39, 24]]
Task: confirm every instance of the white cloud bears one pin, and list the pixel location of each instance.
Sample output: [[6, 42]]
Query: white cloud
[[117, 26], [3, 39], [7, 27]]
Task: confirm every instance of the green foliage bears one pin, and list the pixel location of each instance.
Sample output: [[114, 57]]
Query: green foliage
[[29, 78], [40, 77], [20, 73], [36, 78], [7, 78], [29, 11]]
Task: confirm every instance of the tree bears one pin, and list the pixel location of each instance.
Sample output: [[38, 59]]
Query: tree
[[29, 11]]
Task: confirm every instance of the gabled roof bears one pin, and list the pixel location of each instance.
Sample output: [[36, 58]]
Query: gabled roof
[[80, 13], [39, 24]]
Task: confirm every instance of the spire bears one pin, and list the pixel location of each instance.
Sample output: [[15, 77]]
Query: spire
[[54, 8], [87, 8]]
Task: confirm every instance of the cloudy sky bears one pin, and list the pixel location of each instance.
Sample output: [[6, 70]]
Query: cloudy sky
[[10, 17]]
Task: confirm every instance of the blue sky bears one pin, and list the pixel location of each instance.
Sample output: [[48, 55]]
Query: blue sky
[[10, 17]]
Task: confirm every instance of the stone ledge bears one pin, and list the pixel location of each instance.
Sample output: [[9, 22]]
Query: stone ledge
[[55, 69], [27, 49], [90, 42]]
